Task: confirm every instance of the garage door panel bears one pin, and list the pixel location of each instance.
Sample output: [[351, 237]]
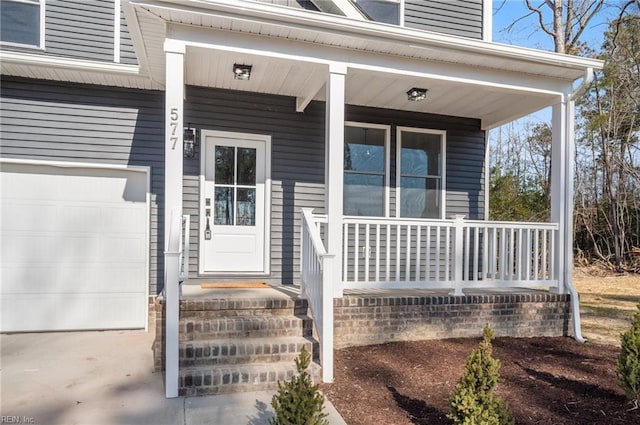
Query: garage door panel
[[74, 242], [24, 312], [72, 250], [95, 278]]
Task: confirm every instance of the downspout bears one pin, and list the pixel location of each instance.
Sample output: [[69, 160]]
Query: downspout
[[573, 293], [586, 82]]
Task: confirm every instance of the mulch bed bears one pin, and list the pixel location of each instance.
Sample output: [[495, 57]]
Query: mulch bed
[[544, 381]]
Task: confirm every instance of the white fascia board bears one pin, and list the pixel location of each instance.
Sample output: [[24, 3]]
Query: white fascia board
[[366, 61], [30, 59], [269, 14]]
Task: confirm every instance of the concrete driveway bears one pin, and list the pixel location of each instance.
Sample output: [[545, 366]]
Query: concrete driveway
[[107, 378]]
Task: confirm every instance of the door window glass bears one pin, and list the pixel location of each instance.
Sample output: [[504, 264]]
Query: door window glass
[[223, 212], [246, 166], [235, 186], [224, 164]]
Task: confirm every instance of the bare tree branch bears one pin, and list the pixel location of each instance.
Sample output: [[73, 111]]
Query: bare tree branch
[[538, 12]]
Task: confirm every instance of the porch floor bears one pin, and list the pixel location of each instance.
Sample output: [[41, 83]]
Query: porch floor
[[192, 290]]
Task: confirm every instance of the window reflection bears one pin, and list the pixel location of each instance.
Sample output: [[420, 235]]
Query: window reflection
[[223, 206], [364, 171], [420, 175]]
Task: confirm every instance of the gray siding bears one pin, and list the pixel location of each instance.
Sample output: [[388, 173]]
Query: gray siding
[[80, 29], [83, 29], [455, 17], [297, 163], [298, 160], [70, 122]]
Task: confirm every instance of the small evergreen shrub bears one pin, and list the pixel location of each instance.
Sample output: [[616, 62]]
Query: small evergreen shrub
[[474, 403], [628, 364], [298, 401]]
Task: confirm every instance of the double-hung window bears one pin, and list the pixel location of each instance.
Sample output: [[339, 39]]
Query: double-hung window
[[22, 23], [365, 169], [420, 173]]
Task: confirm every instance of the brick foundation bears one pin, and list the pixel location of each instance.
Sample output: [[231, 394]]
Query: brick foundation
[[365, 320], [375, 319]]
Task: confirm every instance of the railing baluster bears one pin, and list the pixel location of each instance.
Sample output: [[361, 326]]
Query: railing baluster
[[345, 252], [476, 253], [388, 254], [527, 254], [407, 273], [366, 254], [356, 261], [552, 257], [447, 253], [544, 257], [377, 252], [398, 267], [427, 263], [418, 260], [437, 271], [466, 263]]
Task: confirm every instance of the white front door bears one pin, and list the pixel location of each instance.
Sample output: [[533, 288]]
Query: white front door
[[233, 203]]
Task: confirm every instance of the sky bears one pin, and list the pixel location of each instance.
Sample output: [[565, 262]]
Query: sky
[[526, 31]]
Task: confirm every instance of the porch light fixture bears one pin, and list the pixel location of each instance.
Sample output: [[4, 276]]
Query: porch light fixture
[[241, 72], [190, 140], [416, 94]]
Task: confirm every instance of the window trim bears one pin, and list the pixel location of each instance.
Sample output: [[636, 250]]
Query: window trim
[[387, 162], [443, 166], [41, 46]]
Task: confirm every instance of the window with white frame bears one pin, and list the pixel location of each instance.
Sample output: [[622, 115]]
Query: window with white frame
[[22, 23], [420, 173], [365, 169], [387, 11]]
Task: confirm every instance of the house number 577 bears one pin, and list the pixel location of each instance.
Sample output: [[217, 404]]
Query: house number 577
[[174, 127]]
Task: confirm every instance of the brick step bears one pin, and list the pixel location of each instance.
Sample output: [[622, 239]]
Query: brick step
[[244, 327], [243, 350], [211, 308], [224, 379], [211, 314]]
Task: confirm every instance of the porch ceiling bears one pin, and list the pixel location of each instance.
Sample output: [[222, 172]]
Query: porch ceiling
[[290, 51]]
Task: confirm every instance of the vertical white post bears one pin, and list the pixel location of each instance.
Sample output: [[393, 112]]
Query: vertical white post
[[458, 258], [334, 145], [174, 97], [558, 188], [326, 341], [562, 174]]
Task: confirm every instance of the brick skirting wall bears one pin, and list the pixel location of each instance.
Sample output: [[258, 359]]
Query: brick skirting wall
[[367, 320], [362, 320]]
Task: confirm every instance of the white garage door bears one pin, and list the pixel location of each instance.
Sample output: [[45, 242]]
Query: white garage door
[[73, 247]]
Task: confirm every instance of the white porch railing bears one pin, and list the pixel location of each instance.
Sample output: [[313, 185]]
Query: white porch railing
[[317, 286], [453, 254], [184, 247]]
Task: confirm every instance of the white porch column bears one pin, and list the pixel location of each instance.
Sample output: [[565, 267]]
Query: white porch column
[[174, 98], [334, 158], [562, 175], [559, 187]]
